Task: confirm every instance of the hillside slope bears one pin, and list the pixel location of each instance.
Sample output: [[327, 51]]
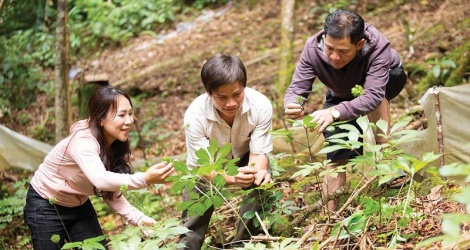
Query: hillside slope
[[167, 71]]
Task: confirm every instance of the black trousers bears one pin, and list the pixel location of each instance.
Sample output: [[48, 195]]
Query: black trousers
[[69, 223], [396, 83]]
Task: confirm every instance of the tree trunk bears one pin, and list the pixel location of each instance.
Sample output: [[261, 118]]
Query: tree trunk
[[286, 67], [62, 97]]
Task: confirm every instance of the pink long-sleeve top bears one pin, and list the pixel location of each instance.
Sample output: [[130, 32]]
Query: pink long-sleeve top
[[73, 168]]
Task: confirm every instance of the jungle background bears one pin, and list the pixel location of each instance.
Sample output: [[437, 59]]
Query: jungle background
[[154, 50]]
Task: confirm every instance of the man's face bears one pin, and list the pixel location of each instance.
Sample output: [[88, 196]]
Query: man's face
[[228, 99], [341, 51]]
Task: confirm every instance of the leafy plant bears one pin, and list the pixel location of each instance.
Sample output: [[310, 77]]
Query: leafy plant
[[11, 208], [88, 244], [159, 236]]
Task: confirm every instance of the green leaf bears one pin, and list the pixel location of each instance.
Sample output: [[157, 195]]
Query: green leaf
[[436, 71], [249, 215], [349, 127], [223, 151], [72, 245], [382, 125], [180, 167], [400, 124], [219, 181], [203, 156], [207, 169], [353, 136], [451, 227], [218, 201], [329, 149], [213, 147], [455, 169], [308, 122], [363, 122]]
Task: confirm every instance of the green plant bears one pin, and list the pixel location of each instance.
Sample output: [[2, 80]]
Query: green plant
[[88, 244], [378, 164], [11, 211], [159, 236]]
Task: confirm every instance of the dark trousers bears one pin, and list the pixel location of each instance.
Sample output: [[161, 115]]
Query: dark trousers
[[71, 224], [199, 224], [396, 83]]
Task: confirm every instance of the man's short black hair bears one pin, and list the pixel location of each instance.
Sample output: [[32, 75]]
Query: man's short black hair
[[343, 23], [222, 69]]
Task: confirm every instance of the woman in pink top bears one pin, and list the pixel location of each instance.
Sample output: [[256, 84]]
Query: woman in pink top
[[92, 160]]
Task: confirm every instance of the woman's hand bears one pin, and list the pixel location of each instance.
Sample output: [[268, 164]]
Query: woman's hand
[[158, 173], [146, 221]]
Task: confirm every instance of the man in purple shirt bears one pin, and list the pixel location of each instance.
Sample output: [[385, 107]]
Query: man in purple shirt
[[346, 53]]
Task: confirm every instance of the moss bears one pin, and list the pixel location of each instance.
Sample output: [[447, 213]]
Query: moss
[[424, 188], [461, 57], [456, 76]]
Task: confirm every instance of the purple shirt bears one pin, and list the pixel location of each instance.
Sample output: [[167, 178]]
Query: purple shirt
[[369, 68]]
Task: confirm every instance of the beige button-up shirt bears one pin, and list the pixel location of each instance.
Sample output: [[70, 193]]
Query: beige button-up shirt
[[249, 132]]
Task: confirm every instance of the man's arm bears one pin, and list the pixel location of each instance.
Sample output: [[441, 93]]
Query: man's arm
[[301, 84]]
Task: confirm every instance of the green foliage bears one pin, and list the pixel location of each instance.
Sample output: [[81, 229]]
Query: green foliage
[[88, 244], [14, 18], [94, 24], [352, 226], [383, 162], [436, 71], [18, 76], [358, 90], [12, 206], [159, 236], [211, 161], [12, 203]]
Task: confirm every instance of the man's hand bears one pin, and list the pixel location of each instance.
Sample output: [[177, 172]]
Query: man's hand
[[245, 177], [294, 111], [262, 177], [323, 118]]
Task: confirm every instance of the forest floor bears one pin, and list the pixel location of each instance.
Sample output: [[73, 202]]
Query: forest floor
[[164, 74]]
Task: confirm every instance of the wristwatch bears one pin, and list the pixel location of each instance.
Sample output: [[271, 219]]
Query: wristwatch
[[335, 113]]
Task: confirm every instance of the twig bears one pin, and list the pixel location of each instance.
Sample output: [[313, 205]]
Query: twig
[[307, 234], [262, 224], [270, 238], [352, 197]]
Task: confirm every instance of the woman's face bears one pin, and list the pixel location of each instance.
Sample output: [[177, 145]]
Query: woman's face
[[228, 99], [117, 125]]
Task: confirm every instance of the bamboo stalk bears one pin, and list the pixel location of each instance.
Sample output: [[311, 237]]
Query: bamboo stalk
[[440, 135]]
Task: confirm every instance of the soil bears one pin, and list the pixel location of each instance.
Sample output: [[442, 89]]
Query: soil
[[165, 74]]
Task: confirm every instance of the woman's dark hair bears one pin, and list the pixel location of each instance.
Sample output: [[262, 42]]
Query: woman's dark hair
[[343, 23], [116, 158], [222, 69]]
